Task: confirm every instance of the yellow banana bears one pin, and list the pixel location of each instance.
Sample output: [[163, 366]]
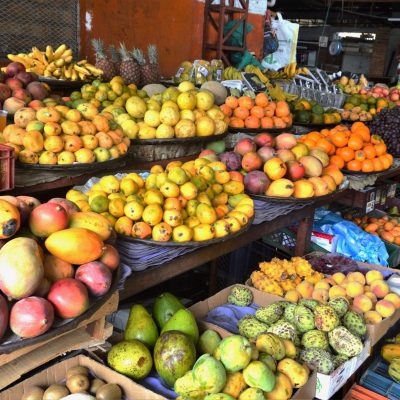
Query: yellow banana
[[49, 53], [60, 50], [57, 73], [38, 55], [66, 53], [51, 67], [81, 69], [47, 73], [82, 62], [74, 75], [60, 62], [68, 72], [82, 77], [19, 59], [92, 69]]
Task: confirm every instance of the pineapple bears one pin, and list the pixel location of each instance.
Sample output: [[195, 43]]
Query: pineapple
[[115, 59], [128, 68], [138, 55], [151, 71], [102, 62]]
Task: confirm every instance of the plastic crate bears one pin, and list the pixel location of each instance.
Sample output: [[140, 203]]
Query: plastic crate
[[358, 392], [7, 165], [376, 378], [285, 241]]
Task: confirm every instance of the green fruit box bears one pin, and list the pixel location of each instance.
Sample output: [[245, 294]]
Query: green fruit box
[[375, 332], [57, 373], [201, 309]]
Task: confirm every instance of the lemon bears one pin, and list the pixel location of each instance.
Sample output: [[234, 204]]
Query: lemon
[[152, 118], [185, 86], [186, 101]]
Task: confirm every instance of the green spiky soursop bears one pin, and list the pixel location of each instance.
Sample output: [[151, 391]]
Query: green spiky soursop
[[340, 304], [310, 303], [338, 360], [270, 314], [315, 338], [344, 342], [283, 329], [355, 323], [250, 327], [240, 296], [326, 318], [303, 319], [319, 359], [288, 314]]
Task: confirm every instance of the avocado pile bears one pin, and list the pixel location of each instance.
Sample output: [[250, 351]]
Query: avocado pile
[[311, 112]]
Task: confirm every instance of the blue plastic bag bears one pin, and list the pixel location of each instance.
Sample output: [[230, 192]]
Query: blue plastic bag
[[351, 240]]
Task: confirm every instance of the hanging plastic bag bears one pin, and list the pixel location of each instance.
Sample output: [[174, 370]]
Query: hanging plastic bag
[[271, 43], [287, 33]]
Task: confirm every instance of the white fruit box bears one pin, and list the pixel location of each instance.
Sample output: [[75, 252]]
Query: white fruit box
[[328, 385], [57, 373], [375, 332], [202, 308]]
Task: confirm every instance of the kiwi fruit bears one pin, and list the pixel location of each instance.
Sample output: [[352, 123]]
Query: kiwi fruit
[[55, 392], [33, 393], [77, 370], [110, 391], [78, 383], [95, 385]]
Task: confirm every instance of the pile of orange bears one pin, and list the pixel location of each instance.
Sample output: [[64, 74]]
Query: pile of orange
[[385, 227], [353, 149], [244, 112]]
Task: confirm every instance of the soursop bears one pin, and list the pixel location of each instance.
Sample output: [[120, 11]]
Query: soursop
[[270, 314], [283, 329], [344, 342], [340, 304], [240, 296], [310, 303], [250, 327], [355, 323], [303, 319], [318, 359], [288, 314], [338, 360], [326, 318], [315, 338]]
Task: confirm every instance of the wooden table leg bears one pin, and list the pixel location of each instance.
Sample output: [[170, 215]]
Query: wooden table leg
[[303, 237], [213, 277]]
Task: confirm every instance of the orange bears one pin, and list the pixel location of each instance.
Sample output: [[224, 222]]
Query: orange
[[232, 101], [385, 161], [354, 165], [288, 120], [246, 102], [378, 166], [369, 151], [325, 132], [252, 122], [278, 122], [339, 139], [241, 112], [355, 142], [314, 136], [310, 143], [390, 157], [282, 109], [346, 153], [337, 160], [261, 100], [367, 166], [257, 111], [267, 123], [324, 145], [236, 123], [359, 155], [364, 133], [380, 148], [376, 139], [226, 109]]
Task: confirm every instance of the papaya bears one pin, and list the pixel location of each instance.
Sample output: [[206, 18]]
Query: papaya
[[75, 245], [21, 267], [93, 222], [10, 219], [390, 351]]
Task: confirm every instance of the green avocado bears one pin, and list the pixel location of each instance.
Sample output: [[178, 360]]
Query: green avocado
[[302, 116], [317, 109], [165, 306]]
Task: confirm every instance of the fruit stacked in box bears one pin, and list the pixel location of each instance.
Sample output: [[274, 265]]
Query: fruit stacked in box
[[365, 294], [245, 112], [355, 149], [53, 261], [197, 200], [60, 135], [311, 112], [282, 167], [205, 366]]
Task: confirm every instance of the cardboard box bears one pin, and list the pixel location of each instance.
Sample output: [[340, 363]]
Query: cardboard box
[[375, 332], [57, 373], [201, 309]]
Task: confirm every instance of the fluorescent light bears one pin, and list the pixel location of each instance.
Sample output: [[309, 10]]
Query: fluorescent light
[[394, 19]]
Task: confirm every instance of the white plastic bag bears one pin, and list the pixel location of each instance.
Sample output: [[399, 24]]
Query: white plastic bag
[[287, 33]]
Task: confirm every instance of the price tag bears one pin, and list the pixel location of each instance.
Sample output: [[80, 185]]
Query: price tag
[[370, 206], [391, 192]]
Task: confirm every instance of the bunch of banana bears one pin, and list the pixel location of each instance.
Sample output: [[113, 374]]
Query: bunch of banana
[[277, 94], [256, 70], [231, 73], [288, 72], [56, 64]]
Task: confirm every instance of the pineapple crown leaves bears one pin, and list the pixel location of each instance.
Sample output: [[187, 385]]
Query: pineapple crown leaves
[[125, 56], [138, 56], [98, 48], [152, 53], [114, 53]]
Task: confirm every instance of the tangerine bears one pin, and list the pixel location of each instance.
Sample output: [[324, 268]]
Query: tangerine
[[257, 111], [385, 161], [246, 102], [241, 112], [252, 122], [232, 102], [380, 148], [354, 165], [314, 136], [337, 160], [324, 145], [378, 166], [359, 155], [367, 166], [355, 142], [261, 100], [369, 151], [226, 110], [340, 139], [267, 123], [346, 153], [236, 123]]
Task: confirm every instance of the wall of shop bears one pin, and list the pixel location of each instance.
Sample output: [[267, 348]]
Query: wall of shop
[[177, 30]]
